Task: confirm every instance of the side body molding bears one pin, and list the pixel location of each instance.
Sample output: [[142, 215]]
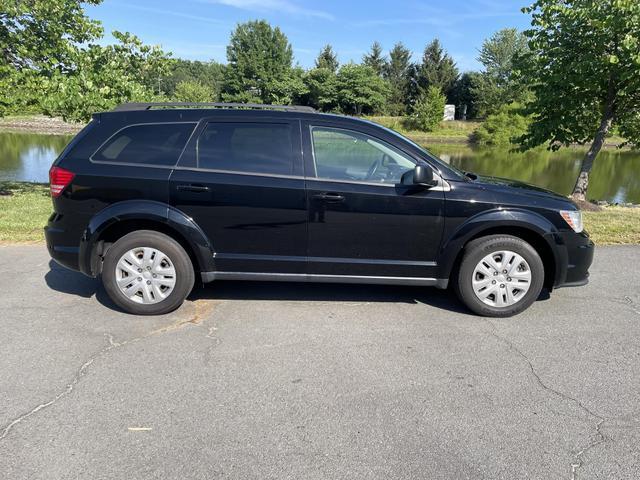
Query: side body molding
[[474, 226], [144, 210]]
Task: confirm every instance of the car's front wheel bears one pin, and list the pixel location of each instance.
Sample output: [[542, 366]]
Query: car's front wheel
[[499, 276], [147, 273]]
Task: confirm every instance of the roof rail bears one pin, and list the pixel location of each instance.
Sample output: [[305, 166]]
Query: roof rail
[[130, 107]]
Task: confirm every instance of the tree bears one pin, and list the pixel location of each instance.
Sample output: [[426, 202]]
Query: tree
[[37, 39], [192, 91], [259, 63], [360, 90], [322, 89], [437, 68], [103, 77], [584, 63], [499, 84], [504, 128], [375, 59], [429, 109], [464, 96], [397, 73], [43, 33], [209, 74], [327, 59], [287, 89]]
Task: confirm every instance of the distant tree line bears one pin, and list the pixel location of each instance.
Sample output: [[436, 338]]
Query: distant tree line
[[51, 62], [572, 78]]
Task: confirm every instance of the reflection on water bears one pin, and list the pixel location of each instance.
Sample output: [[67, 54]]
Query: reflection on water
[[615, 176], [27, 156]]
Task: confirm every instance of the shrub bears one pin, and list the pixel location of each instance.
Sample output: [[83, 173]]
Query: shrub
[[506, 127], [192, 91], [428, 111]]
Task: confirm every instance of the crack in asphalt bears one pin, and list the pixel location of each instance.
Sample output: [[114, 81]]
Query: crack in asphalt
[[599, 436], [201, 309]]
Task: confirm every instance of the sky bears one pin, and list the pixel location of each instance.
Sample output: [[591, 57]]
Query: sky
[[200, 29]]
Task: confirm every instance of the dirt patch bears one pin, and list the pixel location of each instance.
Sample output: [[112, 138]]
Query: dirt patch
[[39, 124]]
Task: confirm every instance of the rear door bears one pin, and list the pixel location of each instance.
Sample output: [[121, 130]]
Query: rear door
[[362, 220], [242, 183]]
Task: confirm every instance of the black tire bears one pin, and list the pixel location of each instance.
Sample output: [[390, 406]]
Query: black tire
[[475, 251], [184, 273]]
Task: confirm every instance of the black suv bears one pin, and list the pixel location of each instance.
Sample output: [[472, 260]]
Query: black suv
[[151, 196]]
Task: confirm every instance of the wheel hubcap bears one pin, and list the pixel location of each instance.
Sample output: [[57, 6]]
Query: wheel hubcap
[[145, 275], [501, 279]]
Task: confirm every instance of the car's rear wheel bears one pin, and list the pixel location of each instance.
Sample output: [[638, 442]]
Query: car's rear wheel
[[499, 276], [147, 273]]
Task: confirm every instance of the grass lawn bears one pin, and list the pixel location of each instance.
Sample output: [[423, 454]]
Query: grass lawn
[[447, 132], [23, 214], [613, 225]]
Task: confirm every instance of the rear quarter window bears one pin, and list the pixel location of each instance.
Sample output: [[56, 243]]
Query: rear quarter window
[[148, 144]]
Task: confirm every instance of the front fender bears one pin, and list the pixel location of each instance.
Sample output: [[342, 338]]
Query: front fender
[[498, 219], [144, 210]]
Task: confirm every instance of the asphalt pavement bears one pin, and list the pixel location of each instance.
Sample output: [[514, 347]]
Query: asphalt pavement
[[294, 381]]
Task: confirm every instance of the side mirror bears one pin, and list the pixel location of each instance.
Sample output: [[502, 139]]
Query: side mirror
[[423, 175]]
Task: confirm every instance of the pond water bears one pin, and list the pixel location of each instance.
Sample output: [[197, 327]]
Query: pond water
[[615, 176]]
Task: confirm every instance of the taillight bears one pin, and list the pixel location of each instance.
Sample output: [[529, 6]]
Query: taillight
[[59, 179]]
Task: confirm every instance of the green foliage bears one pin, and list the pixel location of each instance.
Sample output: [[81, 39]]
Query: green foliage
[[428, 111], [504, 128], [360, 90], [104, 77], [437, 69], [37, 39], [209, 74], [499, 84], [464, 96], [322, 89], [288, 89], [327, 59], [397, 73], [584, 61], [192, 91], [43, 34], [375, 59], [259, 68]]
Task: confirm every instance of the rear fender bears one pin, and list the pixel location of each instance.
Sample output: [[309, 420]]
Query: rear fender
[[144, 210]]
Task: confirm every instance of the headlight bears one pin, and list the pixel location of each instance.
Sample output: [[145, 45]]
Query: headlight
[[573, 218]]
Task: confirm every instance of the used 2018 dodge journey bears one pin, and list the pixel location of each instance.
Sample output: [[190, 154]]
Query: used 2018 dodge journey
[[152, 196]]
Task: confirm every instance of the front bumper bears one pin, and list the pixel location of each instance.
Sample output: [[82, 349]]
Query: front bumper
[[579, 250]]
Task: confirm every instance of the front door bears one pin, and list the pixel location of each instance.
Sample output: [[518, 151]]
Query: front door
[[362, 221], [242, 183]]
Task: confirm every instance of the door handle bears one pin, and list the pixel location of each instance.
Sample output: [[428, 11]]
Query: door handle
[[193, 188], [329, 197]]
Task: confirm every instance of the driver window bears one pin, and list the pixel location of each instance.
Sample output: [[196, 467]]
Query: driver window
[[353, 156]]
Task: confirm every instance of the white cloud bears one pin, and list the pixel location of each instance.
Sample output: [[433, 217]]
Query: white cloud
[[171, 13], [285, 6]]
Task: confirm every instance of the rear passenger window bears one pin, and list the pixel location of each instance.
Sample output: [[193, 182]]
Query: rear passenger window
[[152, 144], [247, 147]]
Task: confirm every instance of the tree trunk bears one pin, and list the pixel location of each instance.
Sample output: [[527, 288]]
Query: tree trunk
[[582, 182]]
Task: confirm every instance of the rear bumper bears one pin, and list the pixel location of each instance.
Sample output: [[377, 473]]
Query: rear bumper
[[579, 255], [57, 239]]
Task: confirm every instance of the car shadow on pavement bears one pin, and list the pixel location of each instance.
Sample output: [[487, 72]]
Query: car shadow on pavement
[[63, 280], [74, 283], [328, 292]]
